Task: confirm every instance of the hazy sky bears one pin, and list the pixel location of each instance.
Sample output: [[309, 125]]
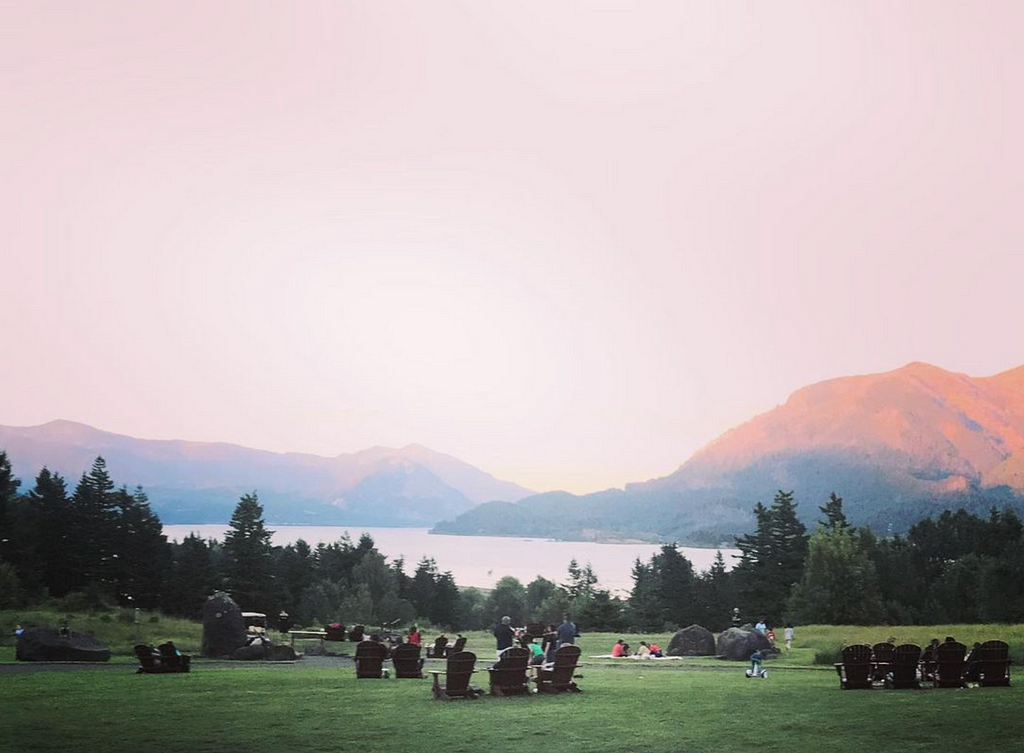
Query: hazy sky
[[567, 242]]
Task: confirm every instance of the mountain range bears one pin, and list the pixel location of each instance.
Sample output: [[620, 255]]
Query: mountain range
[[896, 445], [200, 482]]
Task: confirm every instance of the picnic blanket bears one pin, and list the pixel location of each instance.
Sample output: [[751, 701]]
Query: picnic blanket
[[638, 658]]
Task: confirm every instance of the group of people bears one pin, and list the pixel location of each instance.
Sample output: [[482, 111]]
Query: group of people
[[645, 651], [769, 633], [930, 658], [543, 652]]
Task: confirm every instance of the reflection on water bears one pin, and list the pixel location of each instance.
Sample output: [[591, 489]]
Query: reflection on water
[[482, 560]]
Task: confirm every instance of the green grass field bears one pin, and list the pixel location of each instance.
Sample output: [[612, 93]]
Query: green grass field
[[635, 706], [696, 704]]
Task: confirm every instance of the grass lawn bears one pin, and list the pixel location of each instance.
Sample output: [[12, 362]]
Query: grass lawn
[[636, 706]]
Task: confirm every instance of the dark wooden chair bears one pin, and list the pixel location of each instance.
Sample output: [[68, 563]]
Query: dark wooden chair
[[881, 658], [437, 651], [458, 646], [407, 661], [369, 658], [457, 673], [994, 664], [903, 669], [162, 660], [949, 665], [508, 674], [855, 669], [557, 676]]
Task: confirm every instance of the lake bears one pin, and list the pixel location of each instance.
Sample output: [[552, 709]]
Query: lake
[[481, 560]]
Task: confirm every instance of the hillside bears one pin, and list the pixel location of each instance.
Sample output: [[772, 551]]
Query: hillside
[[895, 445], [200, 482]]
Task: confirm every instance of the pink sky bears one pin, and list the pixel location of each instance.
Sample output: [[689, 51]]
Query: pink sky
[[567, 242]]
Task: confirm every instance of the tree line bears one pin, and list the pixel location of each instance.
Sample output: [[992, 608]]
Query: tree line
[[101, 543]]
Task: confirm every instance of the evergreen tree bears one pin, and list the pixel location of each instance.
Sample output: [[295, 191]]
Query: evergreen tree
[[93, 517], [833, 511], [538, 591], [248, 557], [716, 595], [8, 494], [507, 598], [295, 565], [49, 503], [444, 611], [142, 553], [192, 578], [423, 588]]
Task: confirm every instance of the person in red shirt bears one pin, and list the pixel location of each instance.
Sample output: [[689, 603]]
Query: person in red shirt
[[414, 636], [656, 651], [619, 649]]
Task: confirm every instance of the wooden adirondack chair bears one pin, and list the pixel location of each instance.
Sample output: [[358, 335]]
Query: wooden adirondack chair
[[458, 646], [855, 669], [881, 659], [437, 651], [903, 669], [557, 676], [163, 661], [407, 661], [369, 658], [508, 674], [949, 665], [994, 664], [458, 673]]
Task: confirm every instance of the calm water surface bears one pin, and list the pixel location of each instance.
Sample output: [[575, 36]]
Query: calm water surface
[[481, 560]]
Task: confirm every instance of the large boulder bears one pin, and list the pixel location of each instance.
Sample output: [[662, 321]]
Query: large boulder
[[44, 644], [223, 627], [738, 644], [692, 641]]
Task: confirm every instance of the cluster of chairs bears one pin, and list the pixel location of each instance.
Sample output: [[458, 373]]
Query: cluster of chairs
[[163, 659], [441, 649], [902, 666], [508, 676]]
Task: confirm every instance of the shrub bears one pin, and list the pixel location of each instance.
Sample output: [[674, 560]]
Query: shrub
[[828, 654]]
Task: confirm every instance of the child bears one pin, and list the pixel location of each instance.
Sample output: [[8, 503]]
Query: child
[[789, 636], [755, 663]]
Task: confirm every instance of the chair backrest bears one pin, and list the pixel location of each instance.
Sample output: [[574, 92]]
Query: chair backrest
[[146, 655], [993, 658], [949, 660], [369, 658], [566, 659], [883, 652], [510, 670], [459, 671], [857, 663], [169, 654], [460, 644], [406, 659], [356, 633], [439, 645], [905, 659]]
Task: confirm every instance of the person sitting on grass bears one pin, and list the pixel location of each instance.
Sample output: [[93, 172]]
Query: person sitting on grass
[[644, 652], [656, 651], [618, 650]]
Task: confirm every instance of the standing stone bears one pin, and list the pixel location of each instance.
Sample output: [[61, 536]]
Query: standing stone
[[692, 641], [223, 627], [737, 644]]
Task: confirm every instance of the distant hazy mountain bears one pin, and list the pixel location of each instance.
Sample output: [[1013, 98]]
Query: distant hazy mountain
[[200, 482], [896, 446]]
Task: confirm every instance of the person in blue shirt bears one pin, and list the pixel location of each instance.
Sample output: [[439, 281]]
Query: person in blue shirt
[[567, 632], [761, 626], [755, 663]]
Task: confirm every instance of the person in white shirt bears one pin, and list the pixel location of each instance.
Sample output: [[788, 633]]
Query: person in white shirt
[[789, 636]]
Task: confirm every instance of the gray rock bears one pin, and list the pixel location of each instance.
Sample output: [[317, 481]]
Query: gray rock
[[44, 644], [692, 641], [223, 627], [738, 644]]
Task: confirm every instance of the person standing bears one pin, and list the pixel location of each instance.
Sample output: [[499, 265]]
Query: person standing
[[789, 636], [504, 634], [567, 632], [415, 637], [761, 626]]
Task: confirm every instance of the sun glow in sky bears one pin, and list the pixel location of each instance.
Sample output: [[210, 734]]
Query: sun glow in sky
[[569, 243]]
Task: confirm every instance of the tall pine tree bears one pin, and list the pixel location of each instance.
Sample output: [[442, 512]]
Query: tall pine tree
[[247, 553]]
